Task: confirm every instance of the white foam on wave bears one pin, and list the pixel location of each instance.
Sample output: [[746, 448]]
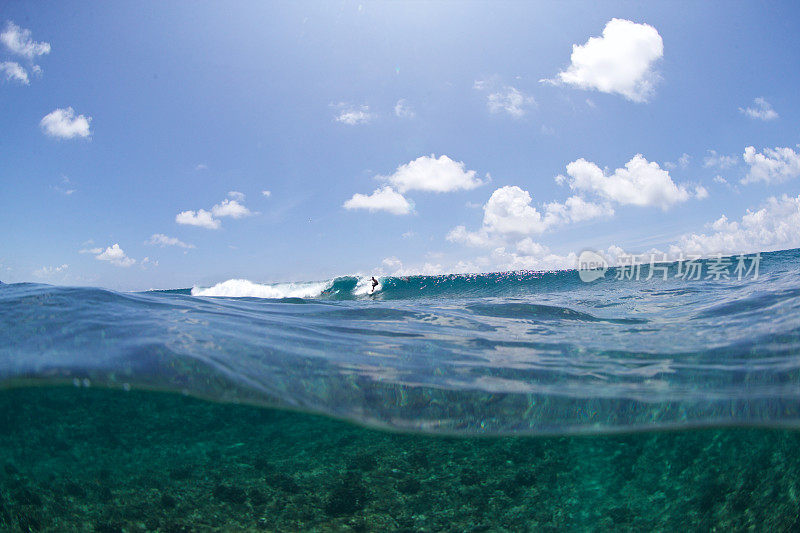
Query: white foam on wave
[[364, 286], [242, 288]]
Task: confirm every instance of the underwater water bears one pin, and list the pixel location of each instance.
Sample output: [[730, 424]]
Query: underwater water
[[77, 459], [664, 398]]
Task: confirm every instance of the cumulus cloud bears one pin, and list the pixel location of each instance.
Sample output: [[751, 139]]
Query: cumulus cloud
[[395, 267], [14, 71], [715, 160], [621, 61], [771, 165], [575, 209], [383, 199], [476, 239], [63, 124], [529, 255], [509, 212], [640, 183], [426, 173], [116, 256], [159, 239], [352, 115], [201, 218], [18, 41], [773, 227], [266, 193], [510, 218], [761, 110], [429, 173], [229, 207], [403, 110]]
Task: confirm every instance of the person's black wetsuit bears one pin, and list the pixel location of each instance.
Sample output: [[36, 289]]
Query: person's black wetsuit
[[374, 283]]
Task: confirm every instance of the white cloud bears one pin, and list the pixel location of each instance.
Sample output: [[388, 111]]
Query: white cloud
[[719, 179], [206, 219], [761, 110], [230, 208], [771, 165], [18, 41], [505, 99], [201, 218], [684, 160], [640, 183], [621, 61], [159, 239], [528, 246], [476, 239], [14, 71], [353, 115], [266, 193], [63, 123], [509, 212], [403, 110], [383, 199], [427, 173], [575, 209], [392, 263], [773, 227], [201, 166], [93, 251], [116, 256], [46, 272], [509, 100], [715, 160], [700, 192], [395, 267], [530, 255]]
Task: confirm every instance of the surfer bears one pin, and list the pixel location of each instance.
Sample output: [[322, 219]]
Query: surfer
[[374, 284]]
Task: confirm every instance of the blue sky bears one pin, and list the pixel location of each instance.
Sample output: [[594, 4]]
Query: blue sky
[[120, 122]]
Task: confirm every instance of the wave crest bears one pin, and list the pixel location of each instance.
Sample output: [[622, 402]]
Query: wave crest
[[242, 288]]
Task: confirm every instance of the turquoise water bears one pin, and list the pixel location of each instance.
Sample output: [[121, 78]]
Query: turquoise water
[[515, 401], [77, 459]]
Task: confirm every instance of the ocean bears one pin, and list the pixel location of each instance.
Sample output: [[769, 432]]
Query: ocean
[[656, 398]]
